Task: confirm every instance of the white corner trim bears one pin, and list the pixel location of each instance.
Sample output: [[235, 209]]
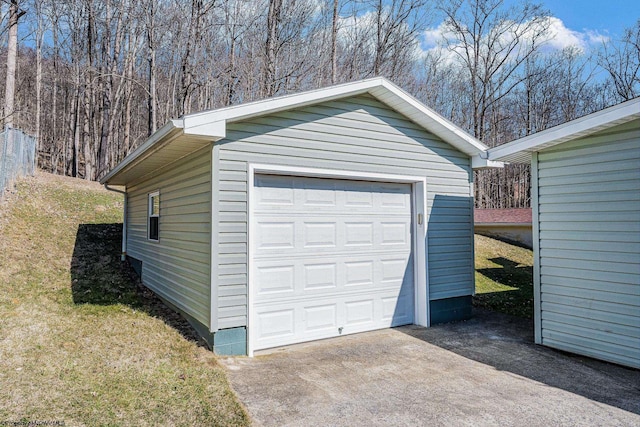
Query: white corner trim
[[419, 207], [213, 236], [537, 295]]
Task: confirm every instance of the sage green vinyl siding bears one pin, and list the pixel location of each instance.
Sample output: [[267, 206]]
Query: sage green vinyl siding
[[356, 134], [177, 267], [589, 222]]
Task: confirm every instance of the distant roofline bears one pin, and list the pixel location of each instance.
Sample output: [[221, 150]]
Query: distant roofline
[[503, 217]]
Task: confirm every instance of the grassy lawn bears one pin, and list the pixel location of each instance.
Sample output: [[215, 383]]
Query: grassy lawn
[[504, 277], [80, 341]]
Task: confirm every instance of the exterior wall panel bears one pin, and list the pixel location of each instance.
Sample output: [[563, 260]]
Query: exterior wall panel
[[357, 134], [589, 221], [177, 267]]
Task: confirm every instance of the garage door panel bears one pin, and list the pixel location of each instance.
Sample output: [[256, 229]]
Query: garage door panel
[[325, 317], [319, 235], [359, 312], [394, 270], [277, 324], [330, 257], [394, 233], [275, 235], [302, 277], [358, 199], [395, 198], [275, 191], [321, 318], [358, 234], [272, 279], [328, 234], [359, 273], [320, 276], [317, 193], [397, 310]]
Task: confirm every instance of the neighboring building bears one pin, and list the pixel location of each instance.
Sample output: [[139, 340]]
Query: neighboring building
[[586, 232], [307, 216], [511, 225]]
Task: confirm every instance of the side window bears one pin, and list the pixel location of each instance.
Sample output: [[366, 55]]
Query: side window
[[154, 215]]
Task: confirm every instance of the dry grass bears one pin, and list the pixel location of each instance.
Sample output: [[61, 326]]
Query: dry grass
[[80, 342], [504, 277]]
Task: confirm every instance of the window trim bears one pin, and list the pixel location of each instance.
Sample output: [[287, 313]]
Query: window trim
[[151, 215]]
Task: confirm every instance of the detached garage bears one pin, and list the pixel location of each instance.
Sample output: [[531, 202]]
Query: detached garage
[[585, 196], [304, 217]]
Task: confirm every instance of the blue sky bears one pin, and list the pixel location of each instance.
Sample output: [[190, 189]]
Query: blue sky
[[607, 17], [585, 24]]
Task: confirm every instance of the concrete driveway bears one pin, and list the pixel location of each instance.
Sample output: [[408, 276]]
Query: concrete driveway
[[485, 371]]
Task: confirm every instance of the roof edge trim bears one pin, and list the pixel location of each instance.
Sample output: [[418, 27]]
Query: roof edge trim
[[144, 150], [582, 126]]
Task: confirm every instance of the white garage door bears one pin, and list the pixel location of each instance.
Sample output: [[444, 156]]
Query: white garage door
[[329, 257]]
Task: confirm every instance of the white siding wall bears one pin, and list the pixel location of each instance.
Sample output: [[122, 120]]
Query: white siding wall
[[589, 212], [178, 266], [358, 134]]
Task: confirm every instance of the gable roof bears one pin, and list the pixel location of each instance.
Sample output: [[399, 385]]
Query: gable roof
[[519, 150], [187, 134], [521, 216]]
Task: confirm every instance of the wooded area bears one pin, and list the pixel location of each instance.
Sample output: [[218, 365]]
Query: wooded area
[[95, 77]]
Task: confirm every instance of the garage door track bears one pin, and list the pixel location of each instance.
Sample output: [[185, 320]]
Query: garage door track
[[485, 371]]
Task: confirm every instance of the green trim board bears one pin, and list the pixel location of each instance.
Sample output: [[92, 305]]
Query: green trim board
[[230, 342], [450, 309]]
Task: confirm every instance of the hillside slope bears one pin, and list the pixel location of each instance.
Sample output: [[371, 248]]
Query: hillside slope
[[80, 341], [504, 277]]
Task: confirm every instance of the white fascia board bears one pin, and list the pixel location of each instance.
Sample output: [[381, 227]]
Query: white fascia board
[[213, 122], [432, 121], [144, 150], [215, 129], [272, 105], [595, 122], [480, 162]]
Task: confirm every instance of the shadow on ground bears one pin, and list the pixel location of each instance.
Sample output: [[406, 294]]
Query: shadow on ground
[[98, 277], [510, 273], [506, 343], [518, 301]]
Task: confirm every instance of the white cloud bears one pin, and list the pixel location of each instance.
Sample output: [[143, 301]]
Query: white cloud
[[558, 37], [561, 37], [431, 37], [597, 38]]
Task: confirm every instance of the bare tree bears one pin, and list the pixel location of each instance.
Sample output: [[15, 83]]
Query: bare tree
[[99, 75], [273, 23], [397, 25], [12, 52], [150, 20], [622, 62], [334, 41], [492, 43]]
